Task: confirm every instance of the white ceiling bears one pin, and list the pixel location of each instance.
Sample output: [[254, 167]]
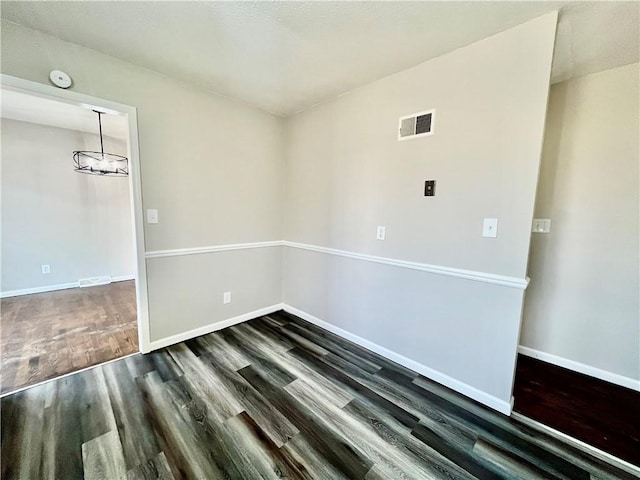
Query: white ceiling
[[287, 56], [45, 111]]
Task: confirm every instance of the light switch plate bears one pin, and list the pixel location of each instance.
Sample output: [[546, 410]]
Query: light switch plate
[[541, 225], [152, 215], [226, 297], [381, 233], [490, 227], [429, 188]]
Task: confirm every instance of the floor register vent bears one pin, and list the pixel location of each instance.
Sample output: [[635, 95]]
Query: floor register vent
[[416, 125], [94, 281]]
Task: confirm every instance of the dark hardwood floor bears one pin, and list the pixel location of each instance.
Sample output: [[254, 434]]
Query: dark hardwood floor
[[46, 335], [272, 398], [599, 413]]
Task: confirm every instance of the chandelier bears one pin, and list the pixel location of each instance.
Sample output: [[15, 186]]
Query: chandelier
[[100, 163]]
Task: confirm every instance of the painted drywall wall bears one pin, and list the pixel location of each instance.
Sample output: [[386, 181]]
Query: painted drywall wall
[[202, 299], [344, 156], [346, 173], [583, 301], [210, 165], [79, 225]]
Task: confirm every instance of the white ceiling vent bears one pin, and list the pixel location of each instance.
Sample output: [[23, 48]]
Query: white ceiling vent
[[416, 125]]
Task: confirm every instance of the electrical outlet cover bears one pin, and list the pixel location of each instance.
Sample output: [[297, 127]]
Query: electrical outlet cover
[[490, 227], [152, 215], [541, 225]]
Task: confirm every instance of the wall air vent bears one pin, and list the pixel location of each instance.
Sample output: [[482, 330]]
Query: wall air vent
[[416, 125]]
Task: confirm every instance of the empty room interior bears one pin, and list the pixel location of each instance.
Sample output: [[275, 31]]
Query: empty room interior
[[320, 240]]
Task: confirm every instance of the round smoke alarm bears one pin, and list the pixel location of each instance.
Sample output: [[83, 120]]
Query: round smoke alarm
[[60, 79]]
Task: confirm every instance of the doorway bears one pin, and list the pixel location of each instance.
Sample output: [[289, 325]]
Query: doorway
[[73, 273], [577, 371]]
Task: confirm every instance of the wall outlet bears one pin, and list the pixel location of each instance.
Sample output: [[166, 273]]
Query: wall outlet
[[490, 227], [541, 225], [226, 297], [381, 233], [45, 269], [152, 215]]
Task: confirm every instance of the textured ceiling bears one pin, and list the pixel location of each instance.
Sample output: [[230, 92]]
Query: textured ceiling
[[45, 111], [284, 57]]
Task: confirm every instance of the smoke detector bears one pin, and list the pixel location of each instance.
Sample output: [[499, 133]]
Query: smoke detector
[[60, 79]]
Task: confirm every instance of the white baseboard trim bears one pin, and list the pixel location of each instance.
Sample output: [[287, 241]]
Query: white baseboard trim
[[53, 288], [46, 288], [580, 445], [122, 278], [581, 368], [212, 327], [501, 406]]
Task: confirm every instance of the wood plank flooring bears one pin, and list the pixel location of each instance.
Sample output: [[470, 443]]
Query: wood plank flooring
[[599, 413], [275, 397], [46, 335]]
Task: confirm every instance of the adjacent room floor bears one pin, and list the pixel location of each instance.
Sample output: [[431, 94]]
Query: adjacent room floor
[[272, 398], [599, 413], [46, 335]]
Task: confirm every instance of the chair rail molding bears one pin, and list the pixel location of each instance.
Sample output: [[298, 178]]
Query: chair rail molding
[[492, 278], [503, 280], [177, 252]]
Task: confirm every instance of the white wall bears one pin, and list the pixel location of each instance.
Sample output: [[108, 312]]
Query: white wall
[[210, 165], [346, 173], [78, 224], [583, 302]]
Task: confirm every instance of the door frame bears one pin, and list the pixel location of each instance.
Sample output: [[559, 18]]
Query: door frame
[[135, 184]]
